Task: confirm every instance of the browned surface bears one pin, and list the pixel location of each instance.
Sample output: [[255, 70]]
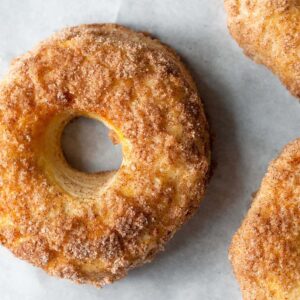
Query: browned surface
[[269, 32], [93, 229], [265, 252]]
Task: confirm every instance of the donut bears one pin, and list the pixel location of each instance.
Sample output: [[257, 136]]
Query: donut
[[265, 250], [94, 228], [269, 33]]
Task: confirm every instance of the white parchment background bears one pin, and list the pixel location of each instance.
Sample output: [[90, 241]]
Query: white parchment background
[[250, 112]]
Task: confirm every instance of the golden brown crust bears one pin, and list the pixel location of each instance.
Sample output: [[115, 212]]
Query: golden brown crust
[[265, 250], [269, 32], [94, 228]]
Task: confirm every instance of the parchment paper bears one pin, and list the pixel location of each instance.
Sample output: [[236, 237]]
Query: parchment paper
[[251, 115]]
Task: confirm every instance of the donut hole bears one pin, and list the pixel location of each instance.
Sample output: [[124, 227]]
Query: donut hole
[[77, 156], [88, 146]]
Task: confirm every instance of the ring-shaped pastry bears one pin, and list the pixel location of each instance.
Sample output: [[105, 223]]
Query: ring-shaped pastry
[[269, 33], [93, 228]]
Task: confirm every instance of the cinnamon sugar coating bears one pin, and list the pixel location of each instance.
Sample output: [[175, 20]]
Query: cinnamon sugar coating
[[269, 33], [93, 228], [265, 250]]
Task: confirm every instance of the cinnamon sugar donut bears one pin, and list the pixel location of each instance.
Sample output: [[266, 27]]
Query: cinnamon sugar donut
[[265, 250], [93, 228], [269, 33]]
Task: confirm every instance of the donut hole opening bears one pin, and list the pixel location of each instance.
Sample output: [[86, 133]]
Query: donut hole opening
[[88, 146], [77, 155]]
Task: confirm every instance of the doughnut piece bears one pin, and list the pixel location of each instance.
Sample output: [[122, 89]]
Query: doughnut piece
[[265, 252], [93, 228], [269, 33]]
